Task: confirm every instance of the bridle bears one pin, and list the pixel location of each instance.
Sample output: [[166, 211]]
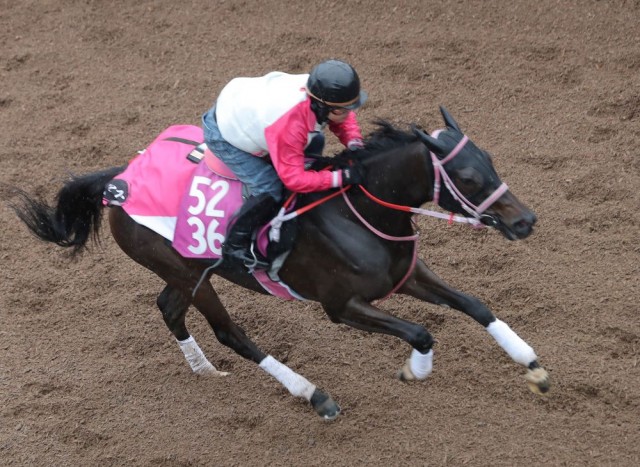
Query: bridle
[[477, 212], [479, 219]]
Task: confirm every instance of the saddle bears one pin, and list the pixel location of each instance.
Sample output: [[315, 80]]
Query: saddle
[[262, 246]]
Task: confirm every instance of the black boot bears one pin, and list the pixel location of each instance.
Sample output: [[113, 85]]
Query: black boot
[[254, 212]]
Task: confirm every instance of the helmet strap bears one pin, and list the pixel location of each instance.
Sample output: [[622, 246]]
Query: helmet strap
[[320, 110]]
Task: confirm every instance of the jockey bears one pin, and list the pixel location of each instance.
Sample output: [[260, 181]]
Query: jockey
[[281, 116]]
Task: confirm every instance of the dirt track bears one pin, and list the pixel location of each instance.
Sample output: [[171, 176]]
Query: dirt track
[[89, 374]]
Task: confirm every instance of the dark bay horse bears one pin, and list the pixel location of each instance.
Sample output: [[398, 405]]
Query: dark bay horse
[[350, 251]]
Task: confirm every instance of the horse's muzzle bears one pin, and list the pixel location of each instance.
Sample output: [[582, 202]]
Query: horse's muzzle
[[517, 229], [524, 227]]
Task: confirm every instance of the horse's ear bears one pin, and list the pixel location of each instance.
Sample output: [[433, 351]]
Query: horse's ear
[[432, 143], [448, 119]]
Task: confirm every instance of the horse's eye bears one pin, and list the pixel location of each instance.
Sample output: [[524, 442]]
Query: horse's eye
[[469, 182]]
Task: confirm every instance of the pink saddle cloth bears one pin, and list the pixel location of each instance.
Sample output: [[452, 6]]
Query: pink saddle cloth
[[188, 203]]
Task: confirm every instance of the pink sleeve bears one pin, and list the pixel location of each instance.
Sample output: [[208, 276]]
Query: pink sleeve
[[347, 131], [286, 140]]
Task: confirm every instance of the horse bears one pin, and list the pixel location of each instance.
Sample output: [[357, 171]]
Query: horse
[[355, 247]]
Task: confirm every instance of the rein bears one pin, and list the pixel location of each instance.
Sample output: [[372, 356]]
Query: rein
[[284, 216], [440, 174], [451, 217]]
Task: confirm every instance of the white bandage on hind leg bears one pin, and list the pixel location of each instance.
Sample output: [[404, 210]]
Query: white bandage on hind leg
[[195, 357], [421, 364], [517, 349], [296, 384]]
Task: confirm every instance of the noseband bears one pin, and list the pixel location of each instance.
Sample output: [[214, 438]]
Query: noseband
[[441, 174]]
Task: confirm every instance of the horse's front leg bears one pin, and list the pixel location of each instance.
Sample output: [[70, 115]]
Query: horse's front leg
[[425, 285], [358, 313]]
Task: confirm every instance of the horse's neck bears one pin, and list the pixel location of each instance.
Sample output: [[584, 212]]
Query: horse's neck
[[401, 176]]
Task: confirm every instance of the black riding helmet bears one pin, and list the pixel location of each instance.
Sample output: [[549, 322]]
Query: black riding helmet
[[334, 83]]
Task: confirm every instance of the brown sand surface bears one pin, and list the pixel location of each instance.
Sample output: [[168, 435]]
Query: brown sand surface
[[90, 375]]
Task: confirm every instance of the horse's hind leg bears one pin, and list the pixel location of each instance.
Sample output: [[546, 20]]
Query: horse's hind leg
[[149, 249], [425, 285], [230, 334], [182, 275], [174, 305]]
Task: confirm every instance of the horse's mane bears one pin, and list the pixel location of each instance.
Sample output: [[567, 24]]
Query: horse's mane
[[384, 137]]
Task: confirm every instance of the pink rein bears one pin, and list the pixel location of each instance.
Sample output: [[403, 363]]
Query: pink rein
[[439, 174]]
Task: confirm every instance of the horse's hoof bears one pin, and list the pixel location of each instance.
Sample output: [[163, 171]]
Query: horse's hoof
[[405, 374], [538, 381], [324, 405], [211, 372]]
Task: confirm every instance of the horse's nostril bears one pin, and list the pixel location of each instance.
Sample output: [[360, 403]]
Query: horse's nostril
[[524, 227]]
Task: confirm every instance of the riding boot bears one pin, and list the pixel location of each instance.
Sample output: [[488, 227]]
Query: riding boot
[[254, 212]]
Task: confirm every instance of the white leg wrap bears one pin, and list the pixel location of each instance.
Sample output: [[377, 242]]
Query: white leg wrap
[[421, 364], [198, 362], [296, 384], [517, 349]]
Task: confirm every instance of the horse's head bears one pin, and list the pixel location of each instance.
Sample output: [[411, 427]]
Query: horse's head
[[467, 183]]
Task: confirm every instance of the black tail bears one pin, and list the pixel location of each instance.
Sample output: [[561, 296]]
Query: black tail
[[77, 214]]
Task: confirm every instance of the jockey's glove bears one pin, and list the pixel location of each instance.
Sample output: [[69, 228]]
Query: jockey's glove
[[355, 144], [353, 175]]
